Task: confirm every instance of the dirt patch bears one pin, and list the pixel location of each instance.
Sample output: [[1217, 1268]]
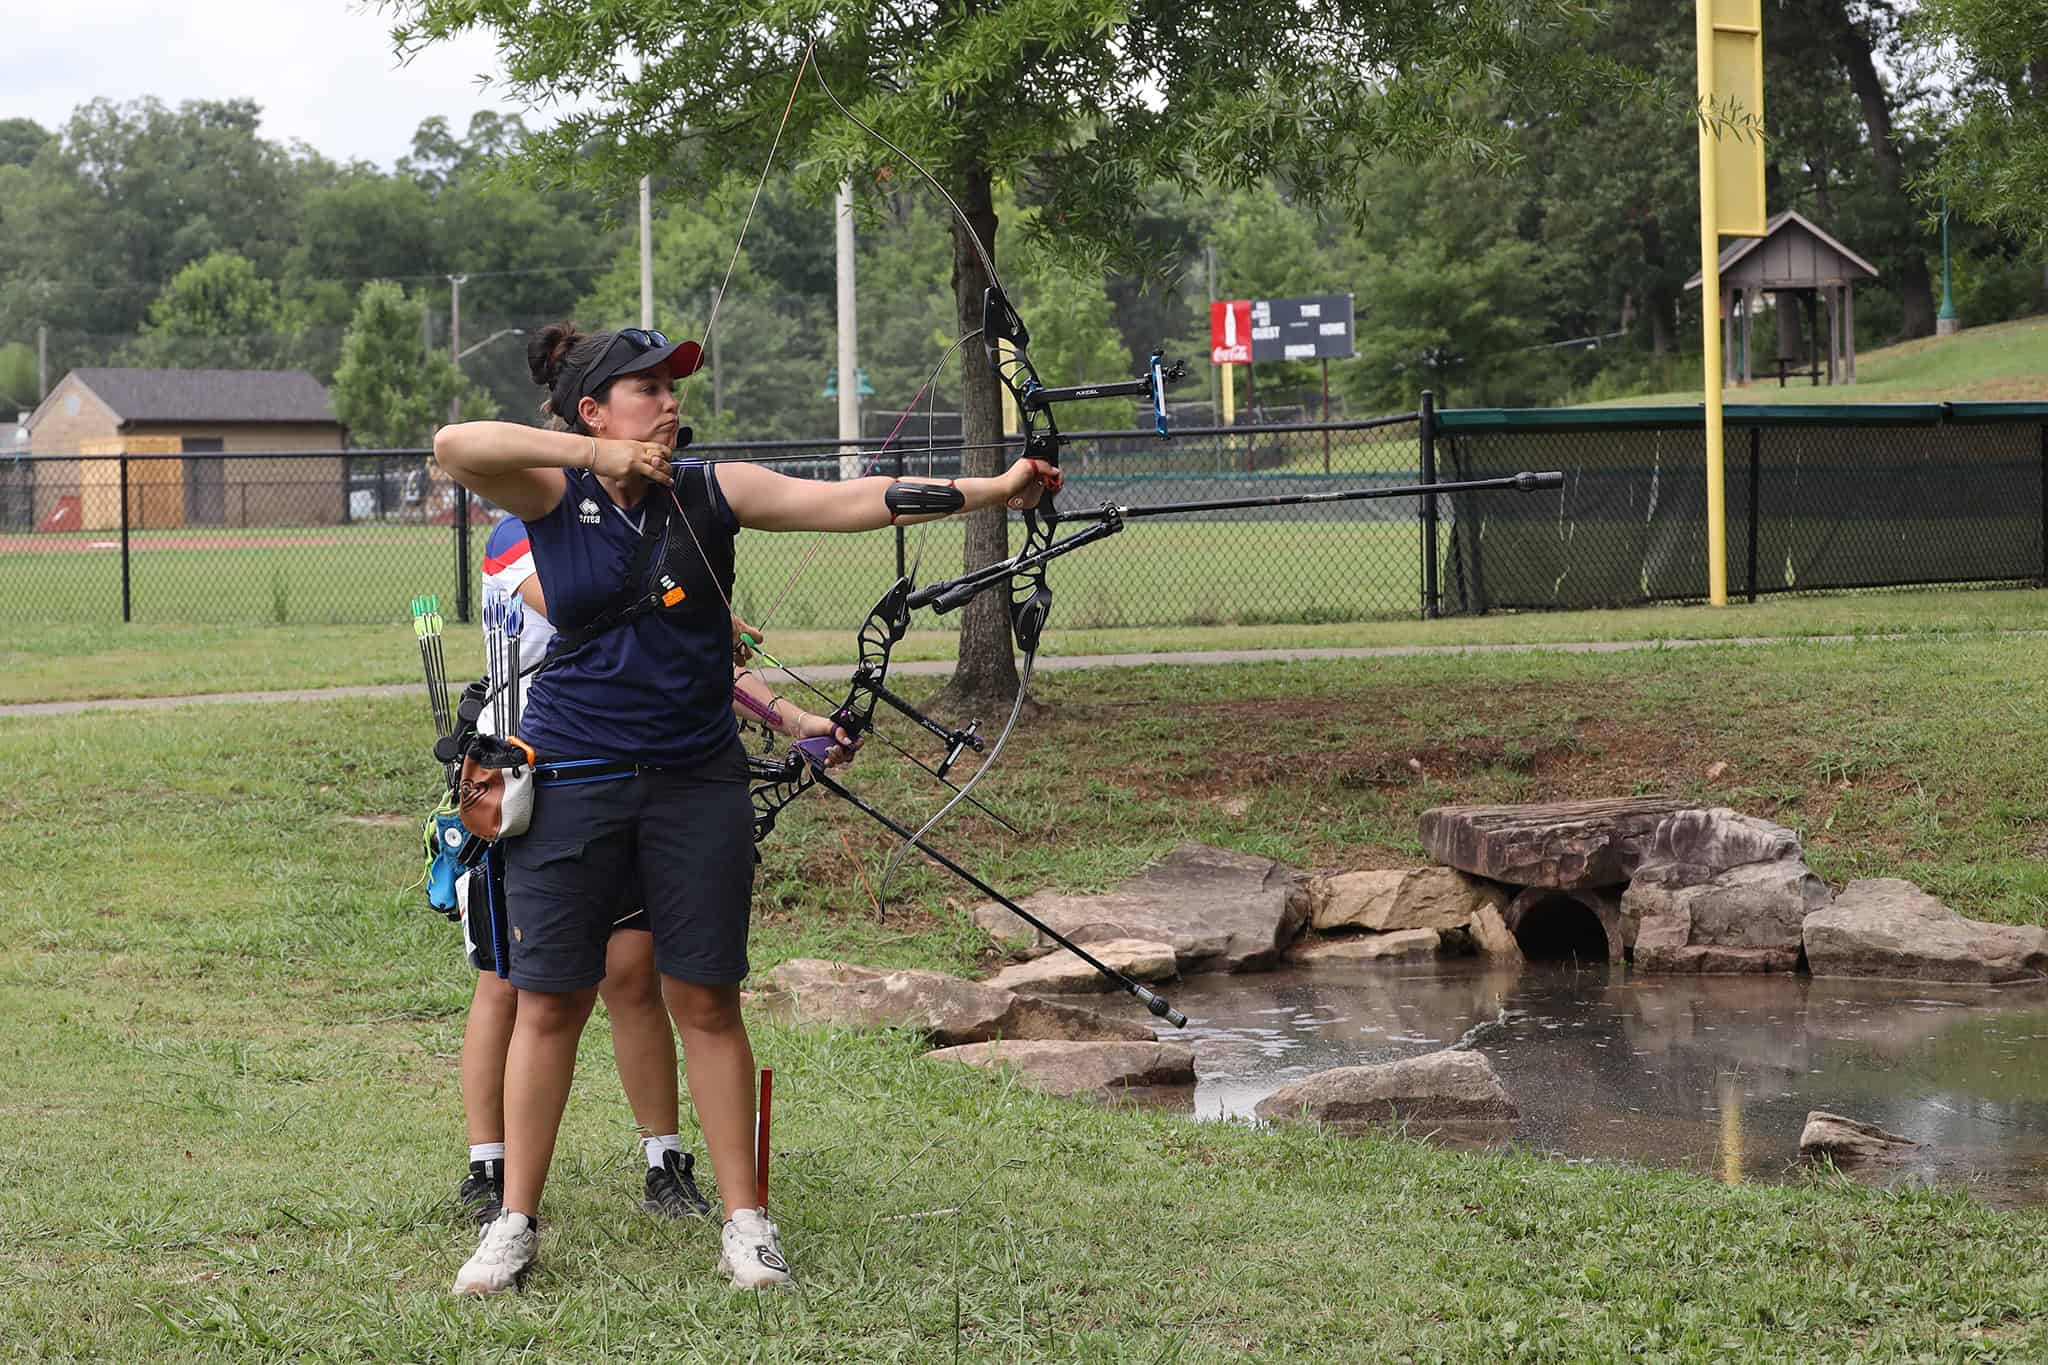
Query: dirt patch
[[382, 821]]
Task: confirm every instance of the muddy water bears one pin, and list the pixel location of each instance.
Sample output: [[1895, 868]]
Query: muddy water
[[1709, 1074]]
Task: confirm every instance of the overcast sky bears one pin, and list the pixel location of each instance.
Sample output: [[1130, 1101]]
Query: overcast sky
[[323, 70]]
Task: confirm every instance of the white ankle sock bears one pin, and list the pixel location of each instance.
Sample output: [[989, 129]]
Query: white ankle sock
[[487, 1151], [657, 1147]]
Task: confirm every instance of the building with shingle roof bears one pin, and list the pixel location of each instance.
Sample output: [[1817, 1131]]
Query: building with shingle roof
[[100, 414]]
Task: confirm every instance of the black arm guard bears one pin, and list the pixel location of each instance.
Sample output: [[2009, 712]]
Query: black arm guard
[[922, 499]]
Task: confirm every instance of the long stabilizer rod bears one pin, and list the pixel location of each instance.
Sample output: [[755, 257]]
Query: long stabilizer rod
[[951, 593], [1524, 482], [1150, 999]]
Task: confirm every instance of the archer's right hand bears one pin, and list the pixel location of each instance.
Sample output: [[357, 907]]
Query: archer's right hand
[[624, 461]]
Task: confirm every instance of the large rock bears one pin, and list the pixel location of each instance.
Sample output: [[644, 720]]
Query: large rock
[[1063, 973], [1081, 1068], [946, 1009], [1221, 911], [1846, 1141], [1402, 945], [1719, 891], [1418, 898], [1492, 937], [1886, 927], [1564, 845], [1448, 1086]]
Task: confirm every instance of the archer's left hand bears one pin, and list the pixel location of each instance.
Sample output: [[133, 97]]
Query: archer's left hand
[[1026, 481], [809, 726]]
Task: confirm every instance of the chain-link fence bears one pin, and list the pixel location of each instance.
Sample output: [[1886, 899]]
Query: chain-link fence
[[1817, 499]]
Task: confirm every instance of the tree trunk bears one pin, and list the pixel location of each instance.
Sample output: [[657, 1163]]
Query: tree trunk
[[1660, 298], [1909, 275], [987, 676]]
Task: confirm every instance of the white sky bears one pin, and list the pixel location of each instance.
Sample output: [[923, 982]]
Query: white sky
[[323, 70]]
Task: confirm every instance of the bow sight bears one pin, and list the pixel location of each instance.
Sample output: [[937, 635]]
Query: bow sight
[[1000, 324]]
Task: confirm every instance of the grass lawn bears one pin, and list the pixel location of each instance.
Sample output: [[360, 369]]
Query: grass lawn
[[73, 662], [2004, 362], [1337, 568], [208, 960]]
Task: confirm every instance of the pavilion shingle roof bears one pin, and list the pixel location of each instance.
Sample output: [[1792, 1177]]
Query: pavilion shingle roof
[[210, 395]]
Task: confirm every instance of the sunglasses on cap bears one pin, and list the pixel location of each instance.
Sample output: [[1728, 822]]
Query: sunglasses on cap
[[637, 349]]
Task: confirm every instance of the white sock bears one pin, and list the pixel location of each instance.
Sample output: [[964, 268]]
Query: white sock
[[487, 1151], [657, 1147]]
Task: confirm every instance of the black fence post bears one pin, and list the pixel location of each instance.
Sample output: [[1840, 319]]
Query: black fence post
[[1756, 450], [461, 520], [1426, 426], [2044, 504], [126, 600], [901, 571]]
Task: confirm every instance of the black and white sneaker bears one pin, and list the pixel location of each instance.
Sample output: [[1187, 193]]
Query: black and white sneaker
[[482, 1191], [672, 1191]]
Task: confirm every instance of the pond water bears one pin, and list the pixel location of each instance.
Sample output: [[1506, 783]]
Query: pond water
[[1708, 1074]]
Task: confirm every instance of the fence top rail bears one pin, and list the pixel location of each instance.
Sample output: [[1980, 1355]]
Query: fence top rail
[[808, 448], [48, 458], [1693, 417], [1690, 417]]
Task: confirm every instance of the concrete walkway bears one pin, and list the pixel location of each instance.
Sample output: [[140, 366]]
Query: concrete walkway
[[941, 667]]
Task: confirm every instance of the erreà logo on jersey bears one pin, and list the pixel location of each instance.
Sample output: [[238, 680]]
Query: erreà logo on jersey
[[588, 513]]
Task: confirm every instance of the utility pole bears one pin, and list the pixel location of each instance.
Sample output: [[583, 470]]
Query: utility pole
[[849, 366], [455, 346], [646, 251], [42, 363]]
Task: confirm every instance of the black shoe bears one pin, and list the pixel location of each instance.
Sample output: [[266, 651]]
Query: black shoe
[[671, 1192], [482, 1192]]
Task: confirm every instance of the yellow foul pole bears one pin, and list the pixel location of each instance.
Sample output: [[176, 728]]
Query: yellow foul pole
[[1710, 318], [1731, 82]]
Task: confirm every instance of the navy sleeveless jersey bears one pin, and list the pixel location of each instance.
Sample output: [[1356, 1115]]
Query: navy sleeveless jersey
[[657, 689]]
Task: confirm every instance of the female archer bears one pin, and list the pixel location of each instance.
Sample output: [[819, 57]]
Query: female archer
[[642, 792]]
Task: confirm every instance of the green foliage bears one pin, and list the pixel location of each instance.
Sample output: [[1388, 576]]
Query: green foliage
[[217, 313], [17, 378], [388, 391], [20, 140], [1993, 165]]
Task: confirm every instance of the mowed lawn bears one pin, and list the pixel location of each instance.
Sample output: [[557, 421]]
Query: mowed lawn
[[1316, 568], [2003, 362], [230, 1122]]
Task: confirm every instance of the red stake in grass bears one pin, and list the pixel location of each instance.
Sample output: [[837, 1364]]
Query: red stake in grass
[[761, 1140]]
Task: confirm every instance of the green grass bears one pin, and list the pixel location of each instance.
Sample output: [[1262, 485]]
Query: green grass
[[209, 963], [1157, 572], [2005, 362], [74, 662]]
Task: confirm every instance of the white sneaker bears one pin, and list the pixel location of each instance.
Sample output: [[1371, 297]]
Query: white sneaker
[[502, 1257], [749, 1252]]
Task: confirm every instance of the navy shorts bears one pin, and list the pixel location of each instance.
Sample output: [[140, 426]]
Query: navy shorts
[[679, 842], [486, 932]]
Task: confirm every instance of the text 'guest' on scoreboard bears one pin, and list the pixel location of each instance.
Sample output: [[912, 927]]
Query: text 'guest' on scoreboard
[[1317, 327]]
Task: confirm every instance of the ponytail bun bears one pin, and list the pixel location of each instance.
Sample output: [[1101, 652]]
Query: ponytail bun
[[548, 350]]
